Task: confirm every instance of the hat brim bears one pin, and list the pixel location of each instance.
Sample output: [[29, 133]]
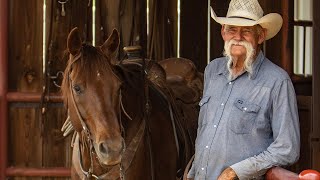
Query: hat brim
[[272, 22]]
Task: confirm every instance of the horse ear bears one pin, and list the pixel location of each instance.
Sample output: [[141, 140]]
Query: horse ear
[[111, 45], [74, 41]]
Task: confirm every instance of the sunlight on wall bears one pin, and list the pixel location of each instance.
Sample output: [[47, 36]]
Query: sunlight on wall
[[178, 33], [93, 22], [208, 32], [148, 18], [303, 37], [44, 37]]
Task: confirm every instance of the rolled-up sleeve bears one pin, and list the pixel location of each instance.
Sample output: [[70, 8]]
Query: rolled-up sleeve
[[285, 148], [191, 172]]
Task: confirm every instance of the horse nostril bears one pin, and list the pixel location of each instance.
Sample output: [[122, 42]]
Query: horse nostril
[[103, 148], [111, 147]]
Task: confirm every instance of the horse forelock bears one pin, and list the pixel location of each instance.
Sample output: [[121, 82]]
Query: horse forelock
[[86, 66]]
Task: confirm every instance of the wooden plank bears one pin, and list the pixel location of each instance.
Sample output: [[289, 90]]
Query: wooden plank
[[58, 28], [25, 75], [25, 38], [25, 138], [126, 17], [217, 43], [194, 32], [305, 117], [142, 25], [4, 14], [36, 172], [110, 16], [316, 86], [278, 48], [160, 41], [56, 149]]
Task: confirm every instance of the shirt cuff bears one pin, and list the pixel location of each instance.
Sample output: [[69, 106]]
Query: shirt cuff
[[245, 170], [191, 172]]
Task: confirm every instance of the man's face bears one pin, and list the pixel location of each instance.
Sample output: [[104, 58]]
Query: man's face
[[249, 34]]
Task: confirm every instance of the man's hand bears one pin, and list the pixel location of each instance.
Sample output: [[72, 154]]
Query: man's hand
[[228, 174]]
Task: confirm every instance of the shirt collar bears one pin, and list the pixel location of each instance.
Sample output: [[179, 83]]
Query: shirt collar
[[255, 69], [257, 64]]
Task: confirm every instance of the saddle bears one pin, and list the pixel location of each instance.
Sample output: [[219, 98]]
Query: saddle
[[180, 84], [180, 80], [186, 84]]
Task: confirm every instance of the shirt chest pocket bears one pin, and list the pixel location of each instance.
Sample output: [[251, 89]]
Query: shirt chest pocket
[[242, 117], [203, 110]]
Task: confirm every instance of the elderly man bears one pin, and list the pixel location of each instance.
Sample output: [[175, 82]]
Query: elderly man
[[248, 119]]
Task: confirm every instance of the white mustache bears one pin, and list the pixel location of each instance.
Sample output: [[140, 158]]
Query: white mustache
[[231, 62], [238, 43]]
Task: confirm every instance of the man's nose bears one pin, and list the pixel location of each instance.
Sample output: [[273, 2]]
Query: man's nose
[[237, 35]]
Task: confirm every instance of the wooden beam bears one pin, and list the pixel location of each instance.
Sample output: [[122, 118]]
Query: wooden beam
[[38, 172], [32, 97], [3, 85]]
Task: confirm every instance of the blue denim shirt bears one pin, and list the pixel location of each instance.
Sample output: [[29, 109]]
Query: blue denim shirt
[[249, 124]]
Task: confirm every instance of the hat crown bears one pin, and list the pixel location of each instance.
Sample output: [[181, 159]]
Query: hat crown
[[249, 9]]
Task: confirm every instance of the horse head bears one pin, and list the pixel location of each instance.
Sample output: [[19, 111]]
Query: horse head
[[91, 91]]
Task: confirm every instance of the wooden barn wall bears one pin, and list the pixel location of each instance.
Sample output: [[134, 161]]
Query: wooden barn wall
[[193, 41], [25, 75], [161, 43], [127, 17], [35, 139], [220, 8]]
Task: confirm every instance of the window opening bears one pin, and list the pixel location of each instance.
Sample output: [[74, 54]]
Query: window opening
[[303, 37]]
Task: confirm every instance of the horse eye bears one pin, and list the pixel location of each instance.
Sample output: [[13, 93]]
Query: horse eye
[[77, 89]]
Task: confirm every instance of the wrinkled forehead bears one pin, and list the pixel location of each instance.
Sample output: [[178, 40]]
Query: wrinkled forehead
[[226, 26]]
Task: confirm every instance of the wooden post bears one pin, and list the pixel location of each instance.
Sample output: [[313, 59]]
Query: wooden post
[[315, 140], [3, 85]]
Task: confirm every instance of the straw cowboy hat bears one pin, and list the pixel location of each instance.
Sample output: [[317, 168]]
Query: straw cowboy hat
[[250, 13]]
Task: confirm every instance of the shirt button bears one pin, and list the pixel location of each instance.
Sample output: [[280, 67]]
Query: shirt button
[[245, 109], [222, 104], [214, 125], [207, 147], [202, 169], [230, 83]]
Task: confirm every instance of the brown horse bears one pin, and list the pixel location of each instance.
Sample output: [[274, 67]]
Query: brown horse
[[124, 128]]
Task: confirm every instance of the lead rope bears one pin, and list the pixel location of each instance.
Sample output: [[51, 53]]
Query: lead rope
[[147, 113], [122, 173]]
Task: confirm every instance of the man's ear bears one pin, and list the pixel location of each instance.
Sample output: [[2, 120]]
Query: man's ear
[[262, 36], [223, 33]]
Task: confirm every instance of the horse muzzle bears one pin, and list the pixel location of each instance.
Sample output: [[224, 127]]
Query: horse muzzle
[[109, 152]]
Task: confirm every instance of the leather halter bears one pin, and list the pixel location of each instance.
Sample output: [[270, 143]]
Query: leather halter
[[117, 171]]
